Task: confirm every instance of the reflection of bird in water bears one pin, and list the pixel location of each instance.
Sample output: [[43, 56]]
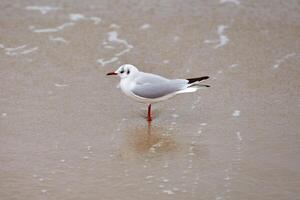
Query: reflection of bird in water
[[151, 88], [150, 139]]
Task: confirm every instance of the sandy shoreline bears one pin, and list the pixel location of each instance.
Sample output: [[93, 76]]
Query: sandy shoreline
[[67, 132]]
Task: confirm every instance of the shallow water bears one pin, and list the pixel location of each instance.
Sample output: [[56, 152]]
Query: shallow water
[[67, 132]]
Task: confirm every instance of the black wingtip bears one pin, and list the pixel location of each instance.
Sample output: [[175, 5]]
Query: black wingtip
[[192, 80]]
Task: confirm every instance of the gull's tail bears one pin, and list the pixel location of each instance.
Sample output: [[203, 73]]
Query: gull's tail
[[194, 84], [193, 80]]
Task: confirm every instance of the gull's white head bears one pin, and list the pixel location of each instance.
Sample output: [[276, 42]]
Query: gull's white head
[[124, 71]]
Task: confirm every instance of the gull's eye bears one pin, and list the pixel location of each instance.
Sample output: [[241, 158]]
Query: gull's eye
[[128, 72], [122, 71]]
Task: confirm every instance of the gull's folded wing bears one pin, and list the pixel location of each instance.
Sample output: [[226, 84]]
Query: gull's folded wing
[[152, 86]]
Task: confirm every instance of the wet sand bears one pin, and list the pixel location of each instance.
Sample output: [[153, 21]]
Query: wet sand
[[67, 132]]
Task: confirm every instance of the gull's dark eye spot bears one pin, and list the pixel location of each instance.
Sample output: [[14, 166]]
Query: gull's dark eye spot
[[128, 72], [122, 71]]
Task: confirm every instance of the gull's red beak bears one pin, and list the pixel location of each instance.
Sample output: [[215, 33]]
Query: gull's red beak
[[111, 73]]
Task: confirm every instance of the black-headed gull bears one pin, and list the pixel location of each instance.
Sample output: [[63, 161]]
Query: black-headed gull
[[151, 88]]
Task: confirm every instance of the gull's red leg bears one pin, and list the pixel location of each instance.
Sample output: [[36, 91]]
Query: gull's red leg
[[149, 113]]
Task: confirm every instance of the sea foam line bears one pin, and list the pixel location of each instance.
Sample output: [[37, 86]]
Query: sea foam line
[[223, 39], [56, 29], [19, 50], [280, 61], [77, 17], [58, 39], [42, 9], [112, 37], [236, 2]]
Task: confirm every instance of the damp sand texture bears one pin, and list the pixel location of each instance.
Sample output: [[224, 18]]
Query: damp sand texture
[[67, 132]]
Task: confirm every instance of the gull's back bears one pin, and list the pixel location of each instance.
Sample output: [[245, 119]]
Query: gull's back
[[153, 86]]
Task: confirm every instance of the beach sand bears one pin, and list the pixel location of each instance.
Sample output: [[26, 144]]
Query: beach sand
[[68, 132]]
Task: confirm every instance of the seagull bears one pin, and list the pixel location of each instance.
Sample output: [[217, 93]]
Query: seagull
[[151, 88]]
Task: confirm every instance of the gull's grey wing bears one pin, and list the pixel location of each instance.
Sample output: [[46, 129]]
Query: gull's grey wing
[[152, 86]]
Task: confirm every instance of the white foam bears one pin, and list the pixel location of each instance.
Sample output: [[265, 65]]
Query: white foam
[[2, 46], [113, 37], [4, 114], [56, 29], [60, 85], [166, 61], [223, 39], [280, 61], [233, 65], [76, 17], [114, 26], [210, 41], [57, 39], [236, 2], [29, 50], [46, 30], [108, 47], [276, 65], [42, 9], [149, 177], [96, 20], [145, 26], [175, 115], [165, 180], [236, 113], [61, 27], [238, 134], [44, 191], [122, 52], [203, 124], [19, 50], [168, 192], [15, 48], [105, 62]]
